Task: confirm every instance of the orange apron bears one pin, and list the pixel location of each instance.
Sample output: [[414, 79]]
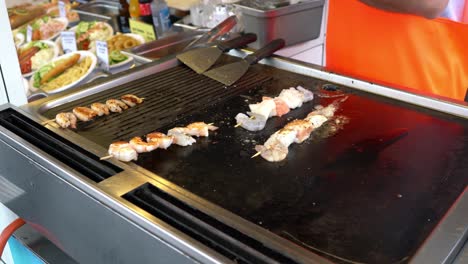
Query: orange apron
[[398, 50]]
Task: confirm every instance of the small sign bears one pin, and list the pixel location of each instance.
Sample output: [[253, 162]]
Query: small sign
[[68, 41], [29, 32], [62, 9], [102, 54], [143, 29]]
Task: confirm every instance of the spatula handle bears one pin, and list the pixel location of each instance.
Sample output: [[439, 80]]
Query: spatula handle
[[221, 29], [237, 42], [266, 51]]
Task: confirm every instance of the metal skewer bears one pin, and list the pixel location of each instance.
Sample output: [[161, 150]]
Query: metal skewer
[[47, 122], [240, 124], [106, 157], [256, 154]]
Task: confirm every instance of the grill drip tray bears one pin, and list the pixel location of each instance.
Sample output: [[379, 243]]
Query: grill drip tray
[[328, 196]]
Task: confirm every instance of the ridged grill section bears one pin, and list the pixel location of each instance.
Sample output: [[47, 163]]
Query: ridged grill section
[[169, 95]]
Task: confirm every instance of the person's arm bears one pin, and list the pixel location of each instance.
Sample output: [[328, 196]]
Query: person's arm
[[425, 8]]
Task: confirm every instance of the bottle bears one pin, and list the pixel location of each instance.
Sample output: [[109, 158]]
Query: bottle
[[134, 9], [145, 11], [161, 20], [124, 25]]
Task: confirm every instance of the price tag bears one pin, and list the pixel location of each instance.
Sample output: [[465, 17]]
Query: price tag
[[62, 9], [142, 29], [102, 54], [29, 32], [68, 41]]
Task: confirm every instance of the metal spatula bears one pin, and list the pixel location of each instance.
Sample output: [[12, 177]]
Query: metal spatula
[[230, 73], [201, 59]]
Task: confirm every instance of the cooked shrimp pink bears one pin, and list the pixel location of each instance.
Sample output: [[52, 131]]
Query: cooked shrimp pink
[[66, 120], [276, 147], [163, 140], [100, 109], [122, 151], [141, 146], [131, 100], [303, 129], [84, 113], [273, 153], [116, 106], [180, 138], [200, 129]]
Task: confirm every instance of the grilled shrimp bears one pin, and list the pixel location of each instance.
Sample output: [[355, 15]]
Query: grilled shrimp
[[283, 136], [141, 146], [84, 113], [274, 153], [66, 120], [200, 129], [116, 106], [163, 140], [131, 100], [303, 129], [180, 138], [316, 119], [100, 109], [123, 151]]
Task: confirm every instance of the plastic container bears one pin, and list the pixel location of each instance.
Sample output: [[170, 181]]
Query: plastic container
[[161, 14], [294, 23]]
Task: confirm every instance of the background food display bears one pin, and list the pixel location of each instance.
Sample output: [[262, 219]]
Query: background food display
[[40, 50]]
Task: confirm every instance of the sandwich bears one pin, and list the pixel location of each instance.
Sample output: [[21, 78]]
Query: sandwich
[[23, 14], [49, 72]]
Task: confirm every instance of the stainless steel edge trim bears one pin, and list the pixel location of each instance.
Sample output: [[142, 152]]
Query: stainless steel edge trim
[[449, 236]]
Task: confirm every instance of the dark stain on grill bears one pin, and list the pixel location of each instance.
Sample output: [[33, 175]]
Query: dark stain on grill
[[169, 95]]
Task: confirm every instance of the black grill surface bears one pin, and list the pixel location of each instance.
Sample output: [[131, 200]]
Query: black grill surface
[[168, 96], [353, 192]]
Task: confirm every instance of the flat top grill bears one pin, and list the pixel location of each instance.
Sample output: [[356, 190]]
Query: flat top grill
[[347, 193]]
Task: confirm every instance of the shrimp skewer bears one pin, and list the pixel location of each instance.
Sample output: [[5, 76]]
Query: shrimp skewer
[[100, 109], [66, 120], [200, 129], [180, 138], [163, 140], [288, 99], [84, 113], [276, 147], [141, 146], [116, 106], [122, 151], [131, 100]]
